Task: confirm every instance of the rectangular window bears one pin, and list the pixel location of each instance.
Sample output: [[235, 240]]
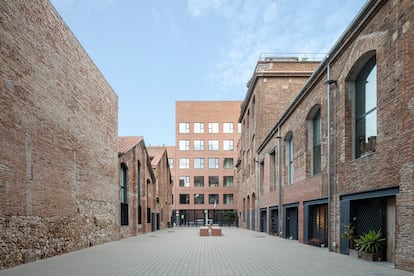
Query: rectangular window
[[198, 144], [184, 145], [213, 163], [213, 181], [228, 199], [198, 163], [171, 162], [228, 181], [227, 127], [228, 145], [213, 128], [228, 163], [184, 199], [198, 127], [184, 127], [184, 181], [198, 198], [213, 145], [184, 163], [213, 199], [198, 181], [272, 170], [239, 127]]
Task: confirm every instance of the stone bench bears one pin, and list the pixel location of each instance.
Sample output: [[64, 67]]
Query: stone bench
[[204, 231], [216, 231]]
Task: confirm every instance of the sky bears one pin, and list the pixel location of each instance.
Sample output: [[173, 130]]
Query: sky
[[156, 52]]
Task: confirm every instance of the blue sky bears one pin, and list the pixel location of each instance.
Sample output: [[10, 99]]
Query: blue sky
[[156, 52]]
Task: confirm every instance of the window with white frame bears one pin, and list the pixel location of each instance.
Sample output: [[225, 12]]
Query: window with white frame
[[213, 181], [184, 163], [184, 181], [239, 127], [213, 163], [171, 162], [228, 163], [198, 163], [228, 199], [213, 145], [213, 128], [228, 128], [228, 181], [184, 144], [198, 144], [366, 109], [184, 127], [198, 127], [228, 145]]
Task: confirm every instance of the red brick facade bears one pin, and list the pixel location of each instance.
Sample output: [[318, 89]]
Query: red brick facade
[[372, 190], [58, 114], [190, 113]]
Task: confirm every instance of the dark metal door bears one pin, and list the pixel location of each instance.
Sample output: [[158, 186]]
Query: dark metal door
[[292, 223]]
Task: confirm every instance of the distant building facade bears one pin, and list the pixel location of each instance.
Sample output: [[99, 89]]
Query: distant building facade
[[273, 86], [341, 154], [203, 162], [163, 186], [58, 131], [136, 187]]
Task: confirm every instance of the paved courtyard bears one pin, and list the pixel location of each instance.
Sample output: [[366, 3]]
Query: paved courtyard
[[180, 251]]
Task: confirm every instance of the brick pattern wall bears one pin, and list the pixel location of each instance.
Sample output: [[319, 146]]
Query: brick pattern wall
[[58, 128], [386, 28]]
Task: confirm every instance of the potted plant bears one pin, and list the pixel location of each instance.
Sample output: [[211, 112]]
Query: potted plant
[[349, 234], [369, 244]]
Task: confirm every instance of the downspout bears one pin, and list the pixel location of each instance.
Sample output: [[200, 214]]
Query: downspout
[[328, 95], [257, 193], [279, 178]]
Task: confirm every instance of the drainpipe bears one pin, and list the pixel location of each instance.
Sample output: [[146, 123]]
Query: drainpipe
[[257, 193], [328, 95], [279, 178]]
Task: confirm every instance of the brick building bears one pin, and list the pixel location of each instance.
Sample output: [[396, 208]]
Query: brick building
[[163, 186], [203, 162], [58, 131], [273, 86], [136, 186], [359, 170]]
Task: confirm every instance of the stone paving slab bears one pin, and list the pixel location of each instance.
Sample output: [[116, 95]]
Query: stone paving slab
[[181, 251]]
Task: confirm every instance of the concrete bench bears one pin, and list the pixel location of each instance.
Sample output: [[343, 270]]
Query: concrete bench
[[216, 231], [203, 231]]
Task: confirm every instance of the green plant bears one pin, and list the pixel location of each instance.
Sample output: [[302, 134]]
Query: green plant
[[370, 242], [349, 234]]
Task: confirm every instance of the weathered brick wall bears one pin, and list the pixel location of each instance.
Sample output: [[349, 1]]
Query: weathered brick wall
[[390, 34], [131, 158], [58, 129], [387, 29]]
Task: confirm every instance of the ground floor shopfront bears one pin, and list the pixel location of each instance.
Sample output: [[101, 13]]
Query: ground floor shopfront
[[197, 217]]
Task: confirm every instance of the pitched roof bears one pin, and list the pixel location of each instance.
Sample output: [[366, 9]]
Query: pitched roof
[[155, 153], [125, 143]]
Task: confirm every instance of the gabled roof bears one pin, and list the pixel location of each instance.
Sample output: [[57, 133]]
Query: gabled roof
[[155, 154], [125, 143]]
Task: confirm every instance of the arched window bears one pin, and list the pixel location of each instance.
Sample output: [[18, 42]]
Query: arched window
[[314, 138], [366, 109], [289, 156]]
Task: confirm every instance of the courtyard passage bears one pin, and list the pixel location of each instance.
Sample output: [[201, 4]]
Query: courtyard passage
[[181, 251]]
